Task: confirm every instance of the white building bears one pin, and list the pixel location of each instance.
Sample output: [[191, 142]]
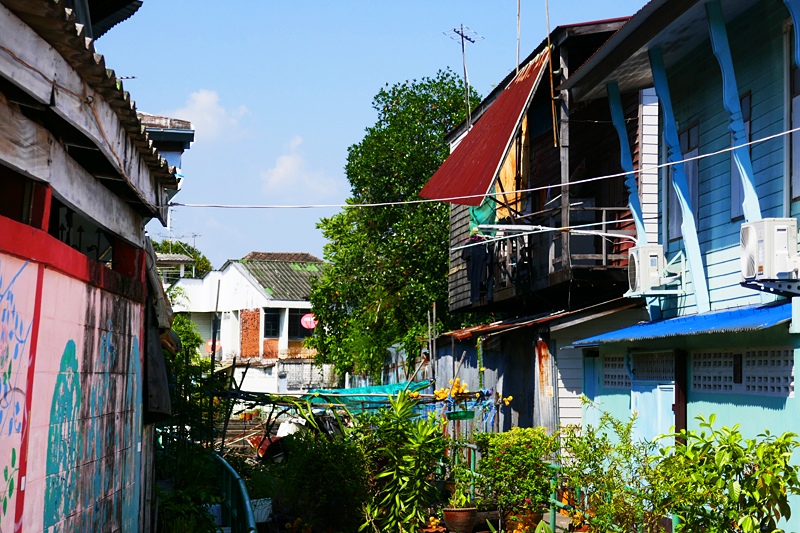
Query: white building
[[261, 300]]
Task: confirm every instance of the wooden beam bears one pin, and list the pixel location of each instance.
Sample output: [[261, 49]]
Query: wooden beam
[[98, 121], [30, 149]]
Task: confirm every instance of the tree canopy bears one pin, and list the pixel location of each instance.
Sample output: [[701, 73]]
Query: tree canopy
[[201, 262], [389, 264]]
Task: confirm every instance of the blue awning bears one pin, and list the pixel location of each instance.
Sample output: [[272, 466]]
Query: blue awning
[[727, 321]]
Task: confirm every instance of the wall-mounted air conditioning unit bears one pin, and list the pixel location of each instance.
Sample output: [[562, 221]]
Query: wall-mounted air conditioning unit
[[767, 248], [645, 264]]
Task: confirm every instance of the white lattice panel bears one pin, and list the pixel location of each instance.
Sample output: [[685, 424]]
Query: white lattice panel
[[757, 371], [614, 374], [654, 367], [769, 371]]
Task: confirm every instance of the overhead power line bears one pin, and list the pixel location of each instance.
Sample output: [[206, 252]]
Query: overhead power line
[[465, 197]]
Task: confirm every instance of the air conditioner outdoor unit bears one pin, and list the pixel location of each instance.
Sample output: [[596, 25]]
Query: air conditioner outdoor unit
[[768, 247], [645, 264]]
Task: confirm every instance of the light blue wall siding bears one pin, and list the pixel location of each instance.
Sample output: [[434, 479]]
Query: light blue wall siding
[[756, 41]]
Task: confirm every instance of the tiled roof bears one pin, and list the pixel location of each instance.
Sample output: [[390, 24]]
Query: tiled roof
[[300, 257], [285, 280]]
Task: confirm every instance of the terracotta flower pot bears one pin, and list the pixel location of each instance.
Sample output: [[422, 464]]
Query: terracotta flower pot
[[524, 519], [461, 520]]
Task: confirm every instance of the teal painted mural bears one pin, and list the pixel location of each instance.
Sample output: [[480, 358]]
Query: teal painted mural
[[63, 441]]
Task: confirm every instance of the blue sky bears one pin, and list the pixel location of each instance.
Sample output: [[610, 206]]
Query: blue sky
[[277, 91]]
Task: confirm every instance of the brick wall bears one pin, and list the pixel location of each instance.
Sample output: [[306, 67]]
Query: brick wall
[[251, 332], [271, 348]]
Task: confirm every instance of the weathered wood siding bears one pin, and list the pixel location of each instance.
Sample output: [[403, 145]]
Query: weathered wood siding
[[757, 50], [457, 282]]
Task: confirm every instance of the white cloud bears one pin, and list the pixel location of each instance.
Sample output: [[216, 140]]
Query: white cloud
[[209, 118], [291, 178]]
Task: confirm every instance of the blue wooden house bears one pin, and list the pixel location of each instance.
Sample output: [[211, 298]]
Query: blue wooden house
[[722, 338]]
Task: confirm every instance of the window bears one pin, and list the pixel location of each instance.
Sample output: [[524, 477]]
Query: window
[[690, 147], [296, 329], [737, 192], [795, 107], [272, 322]]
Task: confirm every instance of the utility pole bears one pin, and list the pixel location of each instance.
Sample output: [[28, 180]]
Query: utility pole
[[464, 34]]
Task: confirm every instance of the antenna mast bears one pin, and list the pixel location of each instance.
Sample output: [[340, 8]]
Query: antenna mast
[[464, 34]]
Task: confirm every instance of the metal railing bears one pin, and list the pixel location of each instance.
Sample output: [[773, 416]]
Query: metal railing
[[236, 510], [526, 258]]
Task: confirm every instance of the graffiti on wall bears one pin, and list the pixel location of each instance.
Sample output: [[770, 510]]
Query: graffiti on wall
[[15, 331], [64, 439], [93, 458], [14, 334]]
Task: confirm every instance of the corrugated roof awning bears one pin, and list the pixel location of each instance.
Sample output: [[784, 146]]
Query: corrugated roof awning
[[729, 321], [471, 168], [593, 311]]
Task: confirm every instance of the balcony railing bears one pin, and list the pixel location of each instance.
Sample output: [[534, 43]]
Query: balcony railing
[[599, 240]]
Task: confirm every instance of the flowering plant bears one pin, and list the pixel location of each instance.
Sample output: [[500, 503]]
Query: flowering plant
[[514, 471]]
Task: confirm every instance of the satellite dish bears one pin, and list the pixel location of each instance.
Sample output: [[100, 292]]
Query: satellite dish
[[208, 347], [309, 321]]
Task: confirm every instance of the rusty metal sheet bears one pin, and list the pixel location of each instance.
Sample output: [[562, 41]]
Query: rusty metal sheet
[[473, 165]]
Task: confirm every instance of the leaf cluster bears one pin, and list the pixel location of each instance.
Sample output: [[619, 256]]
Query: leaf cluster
[[724, 482], [323, 481], [403, 451], [201, 262], [623, 486], [388, 264], [514, 471]]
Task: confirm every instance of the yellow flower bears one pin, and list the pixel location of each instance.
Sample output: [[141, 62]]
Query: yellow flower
[[483, 369], [477, 394], [316, 394]]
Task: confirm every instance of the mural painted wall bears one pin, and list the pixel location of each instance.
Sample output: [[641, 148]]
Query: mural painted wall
[[17, 299], [83, 461]]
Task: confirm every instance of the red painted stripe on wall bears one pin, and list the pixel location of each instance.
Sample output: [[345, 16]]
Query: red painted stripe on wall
[[23, 449], [32, 244]]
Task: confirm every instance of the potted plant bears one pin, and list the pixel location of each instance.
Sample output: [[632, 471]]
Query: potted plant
[[515, 474], [461, 512]]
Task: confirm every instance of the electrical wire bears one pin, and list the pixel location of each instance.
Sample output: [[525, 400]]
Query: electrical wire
[[548, 230], [640, 170]]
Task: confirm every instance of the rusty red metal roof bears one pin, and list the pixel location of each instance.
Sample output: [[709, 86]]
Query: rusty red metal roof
[[473, 165], [501, 326]]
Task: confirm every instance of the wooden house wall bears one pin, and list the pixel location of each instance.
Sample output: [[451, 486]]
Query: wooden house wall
[[457, 282], [757, 49]]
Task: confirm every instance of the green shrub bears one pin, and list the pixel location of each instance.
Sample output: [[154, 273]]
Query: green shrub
[[722, 482], [514, 472], [323, 480], [403, 452]]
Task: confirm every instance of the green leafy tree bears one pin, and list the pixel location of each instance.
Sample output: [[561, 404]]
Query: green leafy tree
[[389, 264], [201, 262]]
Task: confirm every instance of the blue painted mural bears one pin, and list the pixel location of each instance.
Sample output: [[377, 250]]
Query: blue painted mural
[[14, 337]]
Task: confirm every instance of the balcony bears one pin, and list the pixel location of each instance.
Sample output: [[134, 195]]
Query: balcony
[[544, 266]]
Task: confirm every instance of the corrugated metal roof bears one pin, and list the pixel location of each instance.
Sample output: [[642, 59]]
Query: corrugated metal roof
[[505, 325], [284, 280], [301, 257], [473, 165], [57, 25], [728, 321], [173, 259]]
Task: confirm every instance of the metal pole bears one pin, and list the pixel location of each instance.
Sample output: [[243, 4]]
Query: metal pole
[[466, 87], [214, 326], [518, 36]]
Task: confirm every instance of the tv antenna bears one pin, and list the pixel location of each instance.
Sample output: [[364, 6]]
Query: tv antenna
[[464, 34]]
